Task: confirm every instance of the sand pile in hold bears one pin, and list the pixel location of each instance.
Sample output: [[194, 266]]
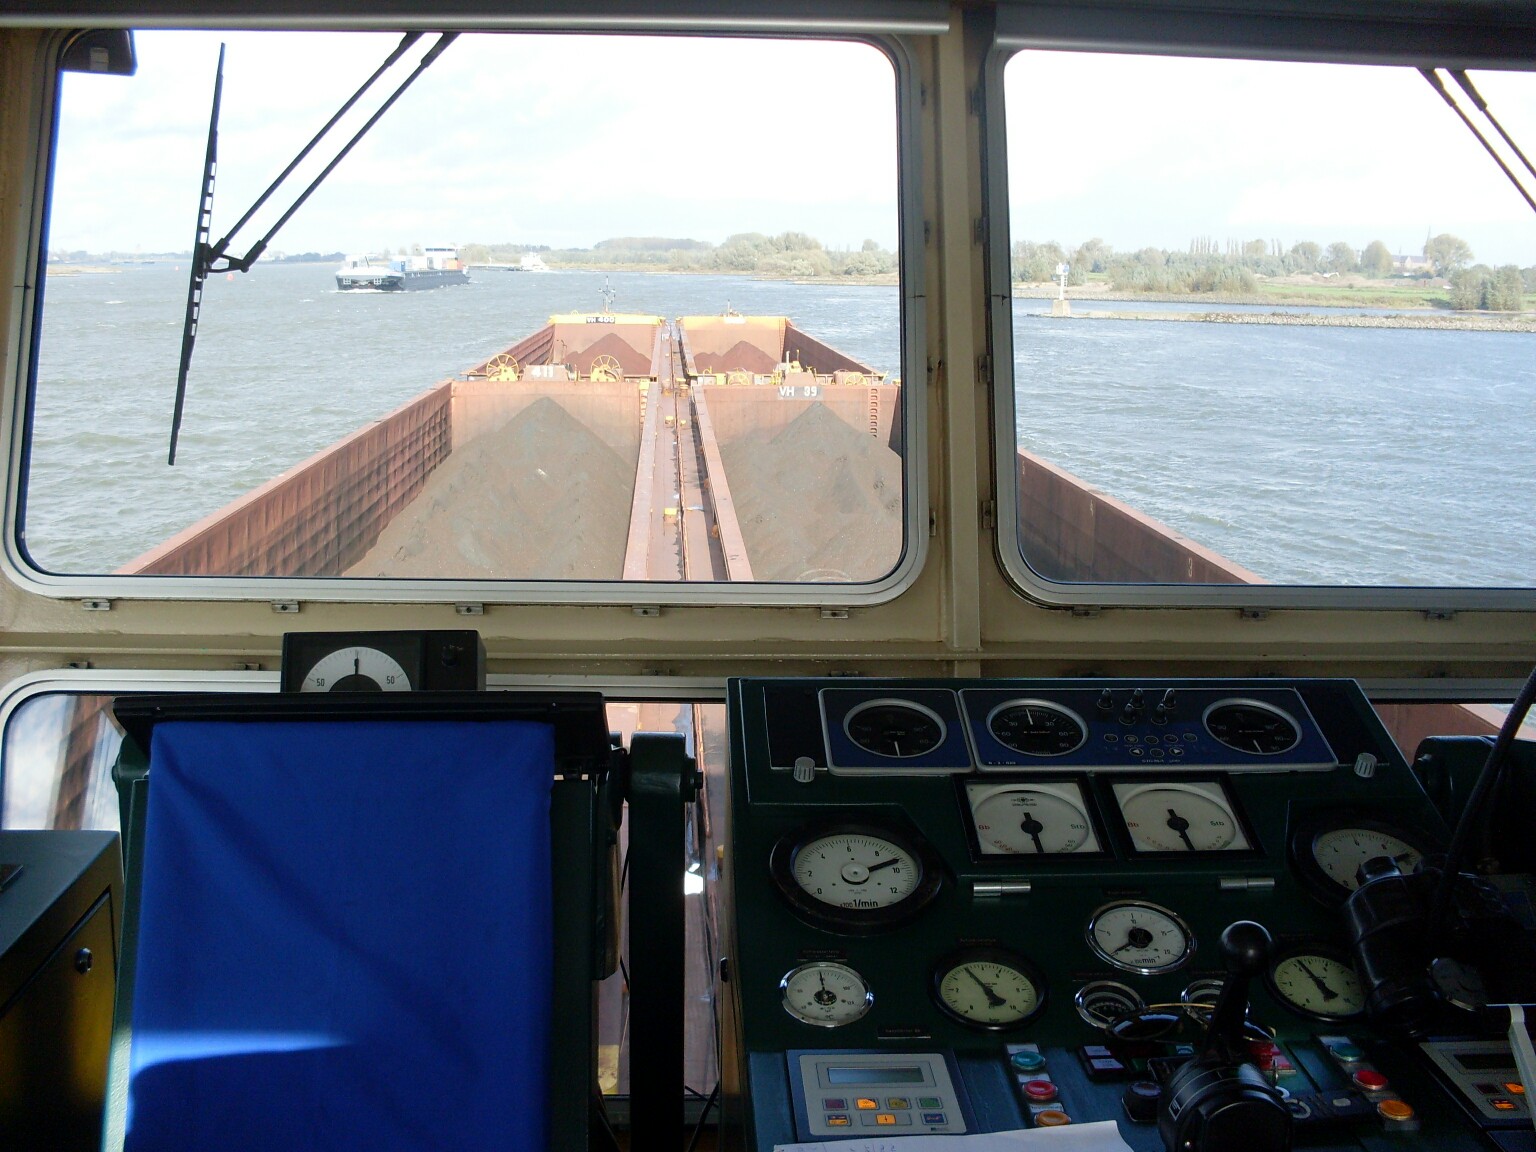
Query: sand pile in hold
[[742, 357], [541, 497], [819, 501]]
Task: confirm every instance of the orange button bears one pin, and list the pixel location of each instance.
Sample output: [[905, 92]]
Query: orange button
[[1395, 1110], [838, 1121], [1051, 1118], [1515, 1089], [886, 1118], [1502, 1105], [866, 1104]]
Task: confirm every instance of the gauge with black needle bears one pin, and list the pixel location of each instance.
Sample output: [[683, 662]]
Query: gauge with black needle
[[1316, 979], [1032, 828], [988, 988]]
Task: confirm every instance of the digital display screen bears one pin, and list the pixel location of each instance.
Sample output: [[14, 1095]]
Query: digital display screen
[[875, 1075], [1483, 1061]]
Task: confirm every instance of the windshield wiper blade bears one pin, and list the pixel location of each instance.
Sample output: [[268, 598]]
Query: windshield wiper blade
[[1482, 106], [205, 255]]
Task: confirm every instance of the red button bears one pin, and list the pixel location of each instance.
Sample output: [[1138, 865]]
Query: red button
[[1040, 1091], [1370, 1079]]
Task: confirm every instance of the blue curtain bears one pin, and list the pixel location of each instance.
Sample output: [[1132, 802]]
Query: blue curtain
[[344, 939]]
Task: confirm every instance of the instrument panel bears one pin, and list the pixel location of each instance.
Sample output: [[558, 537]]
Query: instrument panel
[[998, 872]]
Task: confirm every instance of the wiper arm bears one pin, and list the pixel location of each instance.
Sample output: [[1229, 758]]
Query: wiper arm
[[205, 255], [1482, 106]]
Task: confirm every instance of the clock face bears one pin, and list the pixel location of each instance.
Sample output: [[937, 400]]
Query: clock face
[[356, 669]]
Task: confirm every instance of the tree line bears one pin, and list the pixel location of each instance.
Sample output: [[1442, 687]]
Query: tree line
[[790, 254], [1237, 267]]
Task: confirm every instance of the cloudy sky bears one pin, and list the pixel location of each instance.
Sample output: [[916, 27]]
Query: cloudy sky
[[569, 140]]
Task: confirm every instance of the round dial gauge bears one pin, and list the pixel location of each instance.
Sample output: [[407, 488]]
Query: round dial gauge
[[896, 728], [1139, 937], [1317, 980], [825, 994], [855, 877], [989, 988], [1025, 820], [1101, 1002], [1179, 818], [1036, 727], [356, 669], [1339, 852], [1250, 726]]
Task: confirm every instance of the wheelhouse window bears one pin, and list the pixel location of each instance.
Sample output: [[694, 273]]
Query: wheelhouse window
[[576, 310], [1270, 323]]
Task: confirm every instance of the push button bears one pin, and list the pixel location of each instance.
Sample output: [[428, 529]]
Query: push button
[[865, 1104], [1025, 1062], [929, 1102], [1501, 1104], [838, 1120], [885, 1119], [896, 1102], [1370, 1080], [1514, 1088], [1052, 1118], [934, 1118], [834, 1103]]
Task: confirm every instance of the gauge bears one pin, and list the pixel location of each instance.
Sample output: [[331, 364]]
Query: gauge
[[1139, 937], [1101, 1002], [1199, 996], [897, 728], [1037, 727], [356, 669], [989, 988], [855, 877], [825, 994], [1316, 980], [1327, 852], [1250, 726], [1030, 819], [1193, 816]]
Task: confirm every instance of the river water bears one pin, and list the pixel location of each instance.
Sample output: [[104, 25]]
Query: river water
[[1311, 455]]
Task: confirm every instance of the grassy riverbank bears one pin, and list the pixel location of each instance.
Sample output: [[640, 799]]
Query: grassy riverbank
[[1284, 292]]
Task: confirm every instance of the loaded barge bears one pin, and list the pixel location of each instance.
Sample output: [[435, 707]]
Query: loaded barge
[[615, 446]]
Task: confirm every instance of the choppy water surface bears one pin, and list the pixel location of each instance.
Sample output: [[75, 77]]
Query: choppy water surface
[[1332, 455]]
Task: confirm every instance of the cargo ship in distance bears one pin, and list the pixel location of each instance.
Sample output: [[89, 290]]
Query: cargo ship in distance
[[434, 268]]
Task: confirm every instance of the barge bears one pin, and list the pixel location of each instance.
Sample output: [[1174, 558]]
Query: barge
[[433, 268], [627, 446]]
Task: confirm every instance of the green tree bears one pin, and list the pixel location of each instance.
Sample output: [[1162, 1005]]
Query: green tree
[[1341, 257], [1304, 257], [1376, 260], [1255, 249], [1506, 292], [1447, 253], [1469, 288]]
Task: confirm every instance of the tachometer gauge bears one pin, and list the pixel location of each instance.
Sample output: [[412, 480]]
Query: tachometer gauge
[[1036, 727], [1317, 980], [1327, 852], [1101, 1002], [1030, 819], [1193, 816], [1135, 936], [855, 878], [895, 728], [825, 994], [989, 988], [1252, 726]]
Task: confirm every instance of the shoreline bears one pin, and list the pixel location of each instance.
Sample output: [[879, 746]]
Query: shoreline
[[1441, 321]]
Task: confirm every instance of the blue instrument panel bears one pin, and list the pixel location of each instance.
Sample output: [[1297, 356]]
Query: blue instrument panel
[[935, 731]]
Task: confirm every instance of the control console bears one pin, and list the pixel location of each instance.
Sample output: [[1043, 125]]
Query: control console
[[976, 906]]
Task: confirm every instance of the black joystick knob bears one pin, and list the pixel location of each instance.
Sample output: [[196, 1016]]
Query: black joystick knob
[[1220, 1101]]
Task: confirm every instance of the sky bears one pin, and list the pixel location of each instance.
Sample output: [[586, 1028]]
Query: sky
[[566, 140], [1155, 151]]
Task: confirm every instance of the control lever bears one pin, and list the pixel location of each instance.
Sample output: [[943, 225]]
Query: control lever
[[1220, 1101]]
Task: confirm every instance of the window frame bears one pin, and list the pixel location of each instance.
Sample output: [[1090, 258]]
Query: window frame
[[1133, 31], [857, 25]]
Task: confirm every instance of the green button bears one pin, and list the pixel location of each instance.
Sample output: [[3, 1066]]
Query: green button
[[929, 1102]]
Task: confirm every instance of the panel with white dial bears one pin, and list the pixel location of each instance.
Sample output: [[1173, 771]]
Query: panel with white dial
[[1180, 816], [1049, 818]]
